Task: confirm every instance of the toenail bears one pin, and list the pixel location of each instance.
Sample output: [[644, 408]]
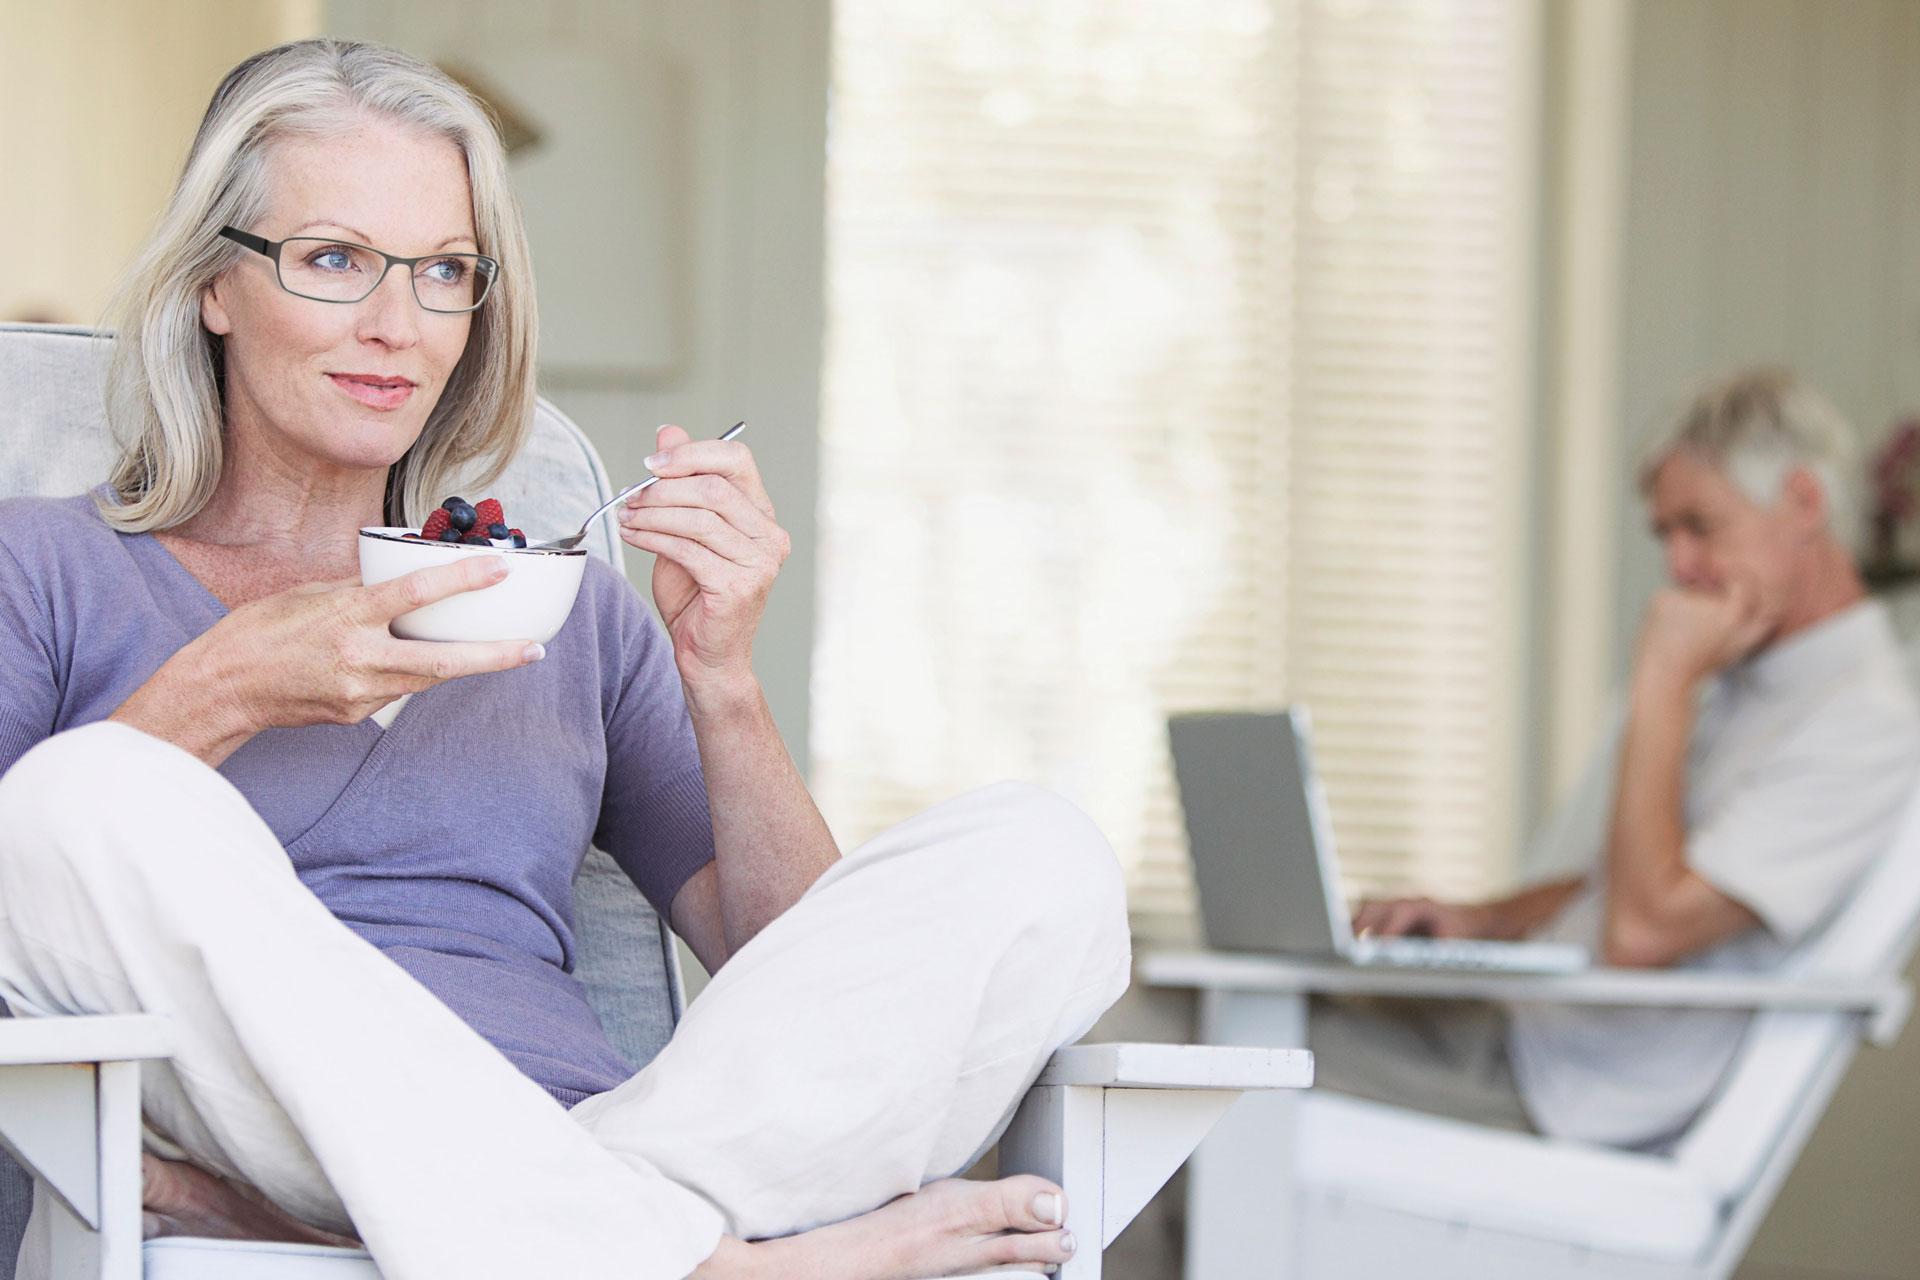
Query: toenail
[[1046, 1207], [1066, 1242]]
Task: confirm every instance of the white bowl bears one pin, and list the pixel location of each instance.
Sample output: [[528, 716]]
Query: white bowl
[[531, 603]]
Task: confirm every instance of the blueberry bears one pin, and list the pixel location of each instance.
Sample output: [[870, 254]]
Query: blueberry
[[461, 514], [451, 503], [476, 540], [450, 534], [520, 540], [498, 531]]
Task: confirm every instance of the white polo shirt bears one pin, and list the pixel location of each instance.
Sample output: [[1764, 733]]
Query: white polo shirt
[[1802, 760]]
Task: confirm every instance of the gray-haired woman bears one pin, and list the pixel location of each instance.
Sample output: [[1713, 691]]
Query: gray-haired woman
[[360, 928]]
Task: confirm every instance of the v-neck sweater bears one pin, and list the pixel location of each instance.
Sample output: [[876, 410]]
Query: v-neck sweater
[[449, 839]]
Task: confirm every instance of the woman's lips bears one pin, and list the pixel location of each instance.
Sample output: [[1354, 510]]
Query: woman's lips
[[373, 395]]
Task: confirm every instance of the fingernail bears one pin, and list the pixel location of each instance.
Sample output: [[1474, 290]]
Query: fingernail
[[534, 652], [1046, 1207], [497, 570], [656, 461], [1066, 1242]]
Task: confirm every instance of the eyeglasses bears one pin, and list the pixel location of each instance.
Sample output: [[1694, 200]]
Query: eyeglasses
[[340, 271]]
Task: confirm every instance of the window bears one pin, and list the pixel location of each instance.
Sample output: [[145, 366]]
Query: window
[[1175, 361]]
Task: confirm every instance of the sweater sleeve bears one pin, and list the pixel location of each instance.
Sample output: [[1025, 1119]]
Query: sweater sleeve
[[29, 680], [654, 818]]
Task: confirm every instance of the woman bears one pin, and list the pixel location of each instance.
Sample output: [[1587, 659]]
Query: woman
[[362, 934]]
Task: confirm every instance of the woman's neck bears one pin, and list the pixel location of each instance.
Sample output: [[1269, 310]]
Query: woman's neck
[[279, 502]]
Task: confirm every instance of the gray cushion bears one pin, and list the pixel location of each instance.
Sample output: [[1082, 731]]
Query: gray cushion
[[55, 442]]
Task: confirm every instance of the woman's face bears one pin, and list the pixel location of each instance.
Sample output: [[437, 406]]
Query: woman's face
[[290, 361]]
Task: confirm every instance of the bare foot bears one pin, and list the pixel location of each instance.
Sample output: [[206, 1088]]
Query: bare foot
[[183, 1200], [947, 1228]]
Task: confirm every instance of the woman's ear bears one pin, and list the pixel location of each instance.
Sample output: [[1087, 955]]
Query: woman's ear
[[213, 314]]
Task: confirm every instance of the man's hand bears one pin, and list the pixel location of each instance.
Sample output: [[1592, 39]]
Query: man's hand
[[1687, 636], [1422, 918]]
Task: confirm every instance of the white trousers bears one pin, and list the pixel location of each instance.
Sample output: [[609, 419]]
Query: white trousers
[[876, 1036]]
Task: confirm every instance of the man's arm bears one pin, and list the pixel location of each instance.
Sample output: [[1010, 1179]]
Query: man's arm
[[1658, 910]]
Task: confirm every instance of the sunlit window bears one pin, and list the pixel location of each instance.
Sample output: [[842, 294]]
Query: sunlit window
[[1173, 362]]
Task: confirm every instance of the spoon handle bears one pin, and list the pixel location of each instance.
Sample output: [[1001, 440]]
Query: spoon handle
[[729, 434]]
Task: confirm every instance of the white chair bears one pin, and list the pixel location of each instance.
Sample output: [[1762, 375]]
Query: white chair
[[1356, 1188], [1109, 1122]]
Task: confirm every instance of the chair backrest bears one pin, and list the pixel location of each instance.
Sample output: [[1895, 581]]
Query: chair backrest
[[1873, 935], [54, 441]]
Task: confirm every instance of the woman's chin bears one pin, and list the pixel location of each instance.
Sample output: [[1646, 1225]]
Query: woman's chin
[[368, 440]]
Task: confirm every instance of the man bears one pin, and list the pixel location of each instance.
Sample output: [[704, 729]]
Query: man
[[1769, 743]]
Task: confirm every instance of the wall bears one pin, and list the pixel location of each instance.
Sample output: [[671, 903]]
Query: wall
[[99, 99], [713, 188], [1773, 212]]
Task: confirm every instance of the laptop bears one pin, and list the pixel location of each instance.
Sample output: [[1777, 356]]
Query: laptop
[[1264, 862]]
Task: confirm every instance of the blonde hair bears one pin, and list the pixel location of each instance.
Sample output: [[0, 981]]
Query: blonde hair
[[164, 380], [1759, 425]]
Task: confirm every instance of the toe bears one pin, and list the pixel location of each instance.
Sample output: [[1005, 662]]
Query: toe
[[1029, 1203], [1034, 1250]]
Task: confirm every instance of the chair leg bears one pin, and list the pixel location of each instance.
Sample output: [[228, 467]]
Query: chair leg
[[1110, 1149], [76, 1128], [1059, 1134]]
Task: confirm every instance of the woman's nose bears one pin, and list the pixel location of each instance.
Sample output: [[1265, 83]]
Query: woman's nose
[[391, 313]]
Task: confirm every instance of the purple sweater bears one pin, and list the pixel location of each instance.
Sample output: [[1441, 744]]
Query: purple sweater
[[449, 840]]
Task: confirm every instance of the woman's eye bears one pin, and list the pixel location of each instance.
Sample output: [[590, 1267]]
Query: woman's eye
[[446, 271], [331, 260]]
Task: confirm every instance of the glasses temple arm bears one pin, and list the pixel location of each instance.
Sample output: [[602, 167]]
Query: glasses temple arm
[[259, 244]]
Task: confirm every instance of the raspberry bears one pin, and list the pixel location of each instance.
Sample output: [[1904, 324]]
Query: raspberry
[[487, 513], [437, 523], [519, 538]]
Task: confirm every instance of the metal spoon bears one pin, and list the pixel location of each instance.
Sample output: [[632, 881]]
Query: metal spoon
[[569, 543]]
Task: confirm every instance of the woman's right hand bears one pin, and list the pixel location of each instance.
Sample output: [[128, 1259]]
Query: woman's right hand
[[315, 654]]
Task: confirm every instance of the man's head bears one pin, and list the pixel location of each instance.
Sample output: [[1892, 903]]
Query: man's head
[[1751, 485]]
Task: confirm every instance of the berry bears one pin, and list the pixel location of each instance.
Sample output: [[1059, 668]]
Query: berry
[[450, 534], [476, 540], [450, 503], [462, 515], [498, 530], [487, 513], [438, 521], [519, 538]]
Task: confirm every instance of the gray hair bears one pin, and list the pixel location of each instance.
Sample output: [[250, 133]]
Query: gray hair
[[164, 392], [1759, 425]]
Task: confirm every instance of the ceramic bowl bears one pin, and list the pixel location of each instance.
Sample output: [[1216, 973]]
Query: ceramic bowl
[[531, 603]]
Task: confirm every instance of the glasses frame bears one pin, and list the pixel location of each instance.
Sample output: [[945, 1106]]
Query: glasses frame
[[489, 267]]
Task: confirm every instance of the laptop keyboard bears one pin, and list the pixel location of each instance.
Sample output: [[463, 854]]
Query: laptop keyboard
[[1470, 953]]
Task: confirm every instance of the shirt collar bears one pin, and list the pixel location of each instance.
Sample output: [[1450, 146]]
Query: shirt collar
[[1829, 648]]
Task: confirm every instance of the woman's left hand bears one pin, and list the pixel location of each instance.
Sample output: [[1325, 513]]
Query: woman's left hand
[[710, 526]]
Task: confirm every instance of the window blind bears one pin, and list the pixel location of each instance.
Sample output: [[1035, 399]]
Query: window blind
[[1173, 363]]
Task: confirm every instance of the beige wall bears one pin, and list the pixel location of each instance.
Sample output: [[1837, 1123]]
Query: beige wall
[[727, 115], [1773, 212], [98, 101]]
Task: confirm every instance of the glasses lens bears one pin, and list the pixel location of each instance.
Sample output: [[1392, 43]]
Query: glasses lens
[[329, 270], [453, 281]]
